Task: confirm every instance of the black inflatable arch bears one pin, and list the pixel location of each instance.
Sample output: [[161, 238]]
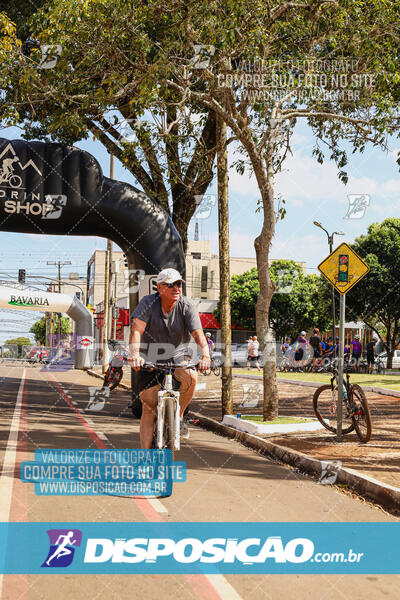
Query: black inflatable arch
[[60, 190]]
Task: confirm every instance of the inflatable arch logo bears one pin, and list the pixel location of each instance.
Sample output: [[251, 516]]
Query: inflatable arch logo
[[55, 189]]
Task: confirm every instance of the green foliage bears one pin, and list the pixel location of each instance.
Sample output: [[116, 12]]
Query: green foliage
[[19, 341], [39, 328], [375, 299], [98, 83], [299, 302]]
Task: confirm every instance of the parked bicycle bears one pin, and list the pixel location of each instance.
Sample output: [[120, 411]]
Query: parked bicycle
[[355, 412], [380, 367]]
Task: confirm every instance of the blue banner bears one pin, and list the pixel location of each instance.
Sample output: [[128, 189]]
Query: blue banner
[[229, 548], [79, 472]]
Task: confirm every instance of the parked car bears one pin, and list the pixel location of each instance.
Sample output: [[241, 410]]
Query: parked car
[[396, 359], [238, 356], [37, 354]]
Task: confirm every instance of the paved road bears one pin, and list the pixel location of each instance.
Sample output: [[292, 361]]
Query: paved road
[[226, 482]]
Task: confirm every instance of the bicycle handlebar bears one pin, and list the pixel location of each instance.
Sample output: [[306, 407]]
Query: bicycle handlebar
[[168, 366]]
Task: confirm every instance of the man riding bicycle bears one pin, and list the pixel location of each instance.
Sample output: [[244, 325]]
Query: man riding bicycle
[[165, 321]]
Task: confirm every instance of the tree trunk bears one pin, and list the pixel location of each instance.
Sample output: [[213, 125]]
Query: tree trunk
[[265, 179], [224, 271]]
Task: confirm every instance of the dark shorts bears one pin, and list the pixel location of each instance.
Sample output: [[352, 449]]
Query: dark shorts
[[317, 353], [252, 358], [356, 356], [370, 359], [148, 379]]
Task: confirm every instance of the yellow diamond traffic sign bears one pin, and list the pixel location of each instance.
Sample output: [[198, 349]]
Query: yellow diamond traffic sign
[[343, 268]]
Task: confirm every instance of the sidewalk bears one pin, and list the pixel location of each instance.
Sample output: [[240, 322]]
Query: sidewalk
[[378, 459]]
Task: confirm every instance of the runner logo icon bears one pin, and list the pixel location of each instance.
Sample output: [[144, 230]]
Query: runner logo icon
[[62, 547]]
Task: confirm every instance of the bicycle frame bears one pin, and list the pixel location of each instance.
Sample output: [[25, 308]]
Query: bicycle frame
[[162, 395]]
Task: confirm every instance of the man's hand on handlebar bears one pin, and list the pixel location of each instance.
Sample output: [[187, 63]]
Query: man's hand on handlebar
[[204, 363], [136, 361]]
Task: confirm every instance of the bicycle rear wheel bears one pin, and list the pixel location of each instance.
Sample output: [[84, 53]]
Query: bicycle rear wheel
[[325, 407], [169, 425], [361, 414]]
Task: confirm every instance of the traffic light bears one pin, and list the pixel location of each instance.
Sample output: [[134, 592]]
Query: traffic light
[[21, 275], [343, 268]]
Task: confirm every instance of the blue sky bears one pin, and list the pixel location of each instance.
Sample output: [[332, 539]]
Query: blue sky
[[312, 192]]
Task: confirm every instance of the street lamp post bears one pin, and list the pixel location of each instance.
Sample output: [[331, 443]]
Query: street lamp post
[[330, 242]]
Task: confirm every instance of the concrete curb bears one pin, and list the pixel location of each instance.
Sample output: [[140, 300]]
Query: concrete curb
[[94, 374], [366, 388], [381, 493]]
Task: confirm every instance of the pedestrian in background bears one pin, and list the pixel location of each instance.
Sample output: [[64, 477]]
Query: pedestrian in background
[[253, 353], [356, 351], [371, 353], [315, 343]]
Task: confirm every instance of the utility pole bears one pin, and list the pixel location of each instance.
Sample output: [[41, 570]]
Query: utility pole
[[224, 270], [115, 271], [59, 264], [107, 289]]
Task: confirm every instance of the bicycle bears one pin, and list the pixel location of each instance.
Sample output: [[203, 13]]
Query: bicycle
[[14, 181], [114, 373], [356, 414], [167, 424], [380, 367]]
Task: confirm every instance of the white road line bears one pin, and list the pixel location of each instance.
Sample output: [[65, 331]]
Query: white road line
[[157, 505], [7, 473], [223, 587]]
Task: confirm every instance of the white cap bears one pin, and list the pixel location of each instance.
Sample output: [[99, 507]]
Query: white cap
[[208, 334], [303, 333], [169, 276]]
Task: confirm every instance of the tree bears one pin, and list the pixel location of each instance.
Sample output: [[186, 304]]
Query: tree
[[20, 342], [92, 89], [375, 299], [39, 328], [299, 302], [287, 39]]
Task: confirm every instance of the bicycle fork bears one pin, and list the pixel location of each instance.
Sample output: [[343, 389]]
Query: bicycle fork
[[160, 418]]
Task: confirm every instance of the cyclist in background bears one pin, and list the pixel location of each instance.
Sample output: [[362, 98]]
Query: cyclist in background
[[210, 343], [356, 351], [165, 321], [117, 362]]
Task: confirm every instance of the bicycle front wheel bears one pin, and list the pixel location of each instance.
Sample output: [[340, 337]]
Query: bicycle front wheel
[[325, 409], [169, 425], [216, 370], [116, 379], [361, 414]]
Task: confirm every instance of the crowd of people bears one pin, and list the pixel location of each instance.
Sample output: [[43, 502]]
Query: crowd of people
[[315, 348]]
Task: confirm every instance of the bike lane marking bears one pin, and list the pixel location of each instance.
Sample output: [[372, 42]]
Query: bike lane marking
[[206, 587], [13, 497], [9, 462], [102, 442]]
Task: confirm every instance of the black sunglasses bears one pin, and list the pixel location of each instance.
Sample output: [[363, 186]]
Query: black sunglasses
[[171, 285]]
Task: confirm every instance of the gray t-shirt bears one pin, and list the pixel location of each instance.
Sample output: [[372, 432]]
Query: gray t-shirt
[[166, 337]]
